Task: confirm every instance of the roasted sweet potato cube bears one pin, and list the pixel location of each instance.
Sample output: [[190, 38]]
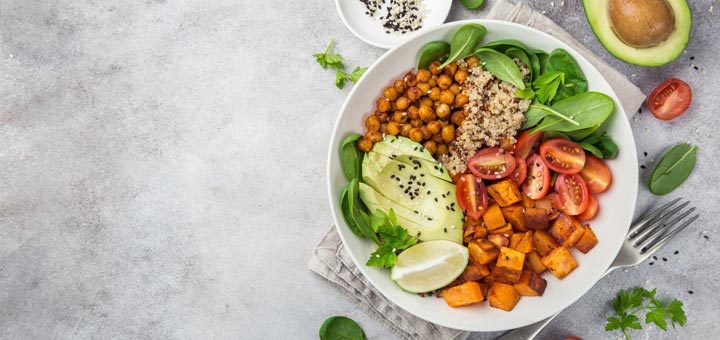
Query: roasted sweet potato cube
[[534, 263], [587, 241], [509, 265], [522, 242], [515, 215], [480, 253], [505, 192], [503, 296], [499, 240], [475, 272], [566, 230], [493, 217], [463, 295], [527, 202], [543, 242], [480, 231], [484, 288], [530, 284], [548, 203], [507, 229], [536, 218], [559, 262]]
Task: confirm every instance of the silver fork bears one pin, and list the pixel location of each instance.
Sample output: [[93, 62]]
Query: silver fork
[[646, 236]]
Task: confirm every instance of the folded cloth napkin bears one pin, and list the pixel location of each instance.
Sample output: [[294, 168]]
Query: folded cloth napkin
[[330, 259]]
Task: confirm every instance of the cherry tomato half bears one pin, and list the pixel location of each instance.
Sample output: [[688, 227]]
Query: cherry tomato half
[[537, 183], [670, 99], [526, 142], [563, 156], [471, 195], [520, 172], [572, 194], [492, 163], [596, 174], [590, 211]]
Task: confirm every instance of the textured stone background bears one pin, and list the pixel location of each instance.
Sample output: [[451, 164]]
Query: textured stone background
[[162, 170]]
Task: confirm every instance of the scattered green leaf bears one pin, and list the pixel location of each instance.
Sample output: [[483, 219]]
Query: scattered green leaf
[[341, 328], [632, 301], [472, 4], [328, 58], [354, 76], [673, 169]]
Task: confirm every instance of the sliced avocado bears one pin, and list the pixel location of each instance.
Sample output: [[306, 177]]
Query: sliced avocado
[[425, 225], [641, 32], [432, 167], [405, 146]]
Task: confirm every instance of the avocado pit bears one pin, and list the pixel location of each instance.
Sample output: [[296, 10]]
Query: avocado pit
[[641, 23]]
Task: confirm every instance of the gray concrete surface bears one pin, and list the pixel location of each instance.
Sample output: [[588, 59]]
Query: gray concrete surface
[[162, 171]]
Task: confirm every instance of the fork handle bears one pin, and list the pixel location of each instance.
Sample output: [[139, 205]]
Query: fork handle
[[531, 331]]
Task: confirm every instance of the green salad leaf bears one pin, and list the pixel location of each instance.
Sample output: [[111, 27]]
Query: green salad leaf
[[434, 50], [358, 212], [575, 81], [464, 41], [673, 169], [501, 66], [580, 111], [472, 4], [341, 328], [350, 156]]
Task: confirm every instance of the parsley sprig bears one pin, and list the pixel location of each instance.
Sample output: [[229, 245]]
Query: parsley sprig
[[632, 301], [394, 238], [330, 59]]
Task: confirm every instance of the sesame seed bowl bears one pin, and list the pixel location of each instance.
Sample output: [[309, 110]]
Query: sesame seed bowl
[[610, 225]]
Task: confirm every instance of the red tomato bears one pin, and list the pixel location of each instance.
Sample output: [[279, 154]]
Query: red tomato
[[526, 143], [520, 171], [670, 99], [537, 183], [590, 211], [572, 338], [563, 156], [572, 194], [492, 163], [471, 195], [596, 174]]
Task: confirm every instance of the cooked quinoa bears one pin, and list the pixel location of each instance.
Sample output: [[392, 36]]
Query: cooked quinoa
[[493, 113]]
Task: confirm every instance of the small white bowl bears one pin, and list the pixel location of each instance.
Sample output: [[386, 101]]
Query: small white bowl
[[370, 30], [617, 204]]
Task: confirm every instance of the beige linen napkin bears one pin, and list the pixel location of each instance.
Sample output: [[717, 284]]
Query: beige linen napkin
[[330, 259]]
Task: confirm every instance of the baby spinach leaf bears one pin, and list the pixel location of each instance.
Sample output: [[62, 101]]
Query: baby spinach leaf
[[434, 50], [547, 111], [587, 109], [350, 156], [341, 328], [673, 169], [608, 147], [581, 135], [464, 41], [541, 57], [347, 212], [501, 66], [358, 212], [592, 149], [472, 4], [533, 116], [575, 81], [503, 45], [546, 85], [515, 52]]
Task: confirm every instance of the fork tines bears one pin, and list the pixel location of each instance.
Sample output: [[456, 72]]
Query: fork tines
[[657, 227]]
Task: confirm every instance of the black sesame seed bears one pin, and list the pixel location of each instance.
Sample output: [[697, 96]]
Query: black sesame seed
[[664, 259], [651, 263], [642, 167], [655, 258], [676, 252], [691, 292], [445, 230], [706, 237], [695, 67], [692, 57], [644, 152]]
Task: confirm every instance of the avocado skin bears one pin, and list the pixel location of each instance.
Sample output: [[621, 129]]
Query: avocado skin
[[662, 54]]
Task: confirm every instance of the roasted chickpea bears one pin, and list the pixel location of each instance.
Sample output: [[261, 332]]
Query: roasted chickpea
[[426, 134], [471, 61], [447, 97], [431, 146], [448, 133], [442, 149], [461, 99], [383, 116], [413, 112], [416, 134], [410, 79], [455, 89], [392, 128], [399, 86], [390, 93], [433, 81], [383, 105], [364, 144], [405, 130], [427, 113], [383, 129], [400, 116], [437, 138], [425, 101], [433, 126], [423, 75], [444, 81], [460, 76], [434, 93], [413, 93], [416, 123], [442, 110], [423, 87], [372, 123], [450, 69], [374, 137], [435, 67], [402, 103], [457, 117]]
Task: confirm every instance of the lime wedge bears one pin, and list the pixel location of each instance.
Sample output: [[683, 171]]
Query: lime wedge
[[429, 265]]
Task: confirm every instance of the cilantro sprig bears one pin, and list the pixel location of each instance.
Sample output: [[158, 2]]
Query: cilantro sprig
[[632, 301], [330, 59], [394, 238]]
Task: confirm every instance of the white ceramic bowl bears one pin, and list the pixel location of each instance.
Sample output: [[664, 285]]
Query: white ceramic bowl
[[369, 30], [611, 225]]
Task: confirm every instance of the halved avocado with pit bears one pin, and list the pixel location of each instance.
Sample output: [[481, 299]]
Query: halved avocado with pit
[[641, 32]]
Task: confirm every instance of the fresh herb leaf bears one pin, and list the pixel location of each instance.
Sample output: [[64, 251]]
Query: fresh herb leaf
[[673, 169], [501, 66], [354, 76], [472, 4], [384, 256], [341, 328], [328, 58], [635, 300], [676, 313], [464, 41], [350, 156], [394, 239], [432, 51], [550, 112]]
